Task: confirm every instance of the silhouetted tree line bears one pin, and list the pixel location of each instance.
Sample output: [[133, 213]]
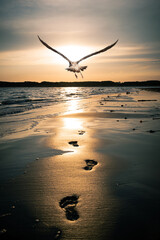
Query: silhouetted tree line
[[81, 84]]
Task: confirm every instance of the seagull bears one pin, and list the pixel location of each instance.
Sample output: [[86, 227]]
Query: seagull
[[74, 66]]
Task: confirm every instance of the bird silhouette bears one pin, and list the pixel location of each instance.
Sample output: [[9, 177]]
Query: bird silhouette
[[74, 66]]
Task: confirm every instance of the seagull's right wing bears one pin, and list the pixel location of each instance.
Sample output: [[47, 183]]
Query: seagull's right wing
[[100, 51], [54, 50]]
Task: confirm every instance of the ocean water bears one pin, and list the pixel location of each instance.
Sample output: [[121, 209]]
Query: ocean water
[[19, 100], [19, 106]]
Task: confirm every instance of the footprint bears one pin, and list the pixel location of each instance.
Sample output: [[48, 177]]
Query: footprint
[[151, 131], [74, 143], [81, 132], [69, 205], [90, 164]]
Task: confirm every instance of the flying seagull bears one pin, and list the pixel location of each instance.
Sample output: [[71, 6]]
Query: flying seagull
[[74, 66]]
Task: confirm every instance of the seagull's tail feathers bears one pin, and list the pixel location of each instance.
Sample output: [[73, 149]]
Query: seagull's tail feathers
[[83, 68]]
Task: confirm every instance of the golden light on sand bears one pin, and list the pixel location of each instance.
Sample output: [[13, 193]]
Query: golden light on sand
[[72, 106], [72, 123]]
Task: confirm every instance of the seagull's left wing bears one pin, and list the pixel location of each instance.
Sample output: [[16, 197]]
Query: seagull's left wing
[[54, 50], [100, 51]]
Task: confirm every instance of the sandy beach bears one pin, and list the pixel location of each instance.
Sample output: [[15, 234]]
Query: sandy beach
[[90, 172]]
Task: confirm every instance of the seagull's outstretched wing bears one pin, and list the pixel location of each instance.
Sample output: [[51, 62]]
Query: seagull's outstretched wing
[[54, 50], [100, 51]]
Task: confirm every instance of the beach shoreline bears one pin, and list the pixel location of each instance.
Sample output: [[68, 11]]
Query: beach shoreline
[[90, 172]]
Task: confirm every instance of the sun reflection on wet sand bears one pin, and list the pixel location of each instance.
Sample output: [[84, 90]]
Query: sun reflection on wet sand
[[72, 106], [66, 176], [72, 123]]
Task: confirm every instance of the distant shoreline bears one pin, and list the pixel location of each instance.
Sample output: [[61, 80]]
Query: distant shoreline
[[150, 83]]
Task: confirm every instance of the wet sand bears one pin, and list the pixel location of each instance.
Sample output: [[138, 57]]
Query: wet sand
[[87, 174]]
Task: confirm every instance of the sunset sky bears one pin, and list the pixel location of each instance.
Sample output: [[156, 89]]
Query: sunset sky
[[76, 28]]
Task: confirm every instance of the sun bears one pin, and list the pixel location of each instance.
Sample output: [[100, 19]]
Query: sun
[[73, 52]]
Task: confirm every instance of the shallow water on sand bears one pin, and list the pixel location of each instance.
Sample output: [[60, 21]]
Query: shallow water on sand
[[57, 197], [22, 109]]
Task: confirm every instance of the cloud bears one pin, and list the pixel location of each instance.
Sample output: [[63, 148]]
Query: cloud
[[81, 22], [85, 20], [129, 20]]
